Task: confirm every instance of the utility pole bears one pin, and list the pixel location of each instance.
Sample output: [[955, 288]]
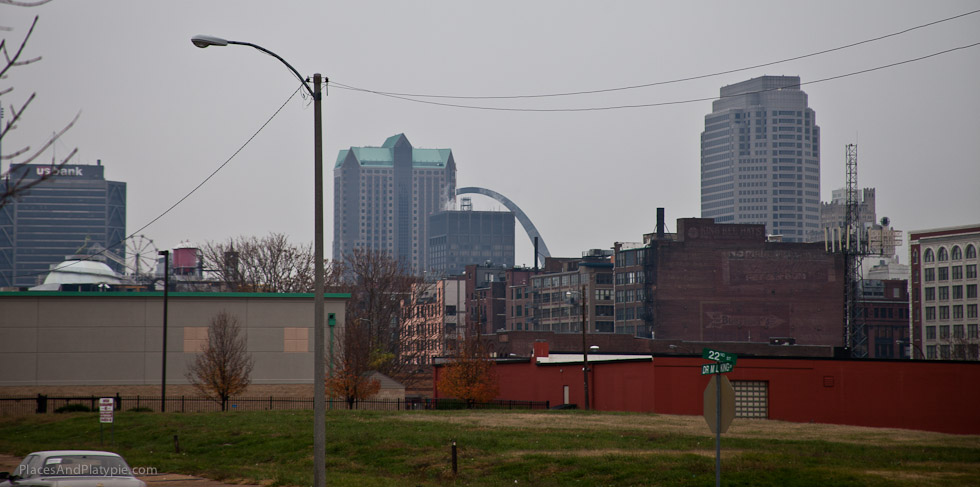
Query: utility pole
[[585, 353]]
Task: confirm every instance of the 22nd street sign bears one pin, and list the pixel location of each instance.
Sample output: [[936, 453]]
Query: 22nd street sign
[[718, 356], [717, 368]]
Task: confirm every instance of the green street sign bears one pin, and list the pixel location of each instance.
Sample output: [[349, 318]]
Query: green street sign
[[717, 368], [718, 356]]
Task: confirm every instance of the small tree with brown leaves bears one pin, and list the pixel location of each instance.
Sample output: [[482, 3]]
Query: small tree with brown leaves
[[471, 375], [224, 367], [350, 385]]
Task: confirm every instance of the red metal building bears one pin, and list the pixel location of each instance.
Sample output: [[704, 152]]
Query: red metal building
[[924, 395]]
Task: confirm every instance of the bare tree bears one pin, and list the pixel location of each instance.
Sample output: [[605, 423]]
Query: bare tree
[[268, 264], [224, 367], [380, 288], [15, 182]]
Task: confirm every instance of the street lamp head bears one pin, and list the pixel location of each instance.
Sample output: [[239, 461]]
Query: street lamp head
[[203, 41]]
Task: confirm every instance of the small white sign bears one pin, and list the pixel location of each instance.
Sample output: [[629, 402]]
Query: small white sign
[[106, 408]]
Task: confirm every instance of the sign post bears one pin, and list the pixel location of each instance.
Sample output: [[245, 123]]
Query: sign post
[[106, 410], [719, 399]]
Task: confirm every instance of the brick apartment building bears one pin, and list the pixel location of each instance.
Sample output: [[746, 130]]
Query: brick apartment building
[[728, 282], [884, 308]]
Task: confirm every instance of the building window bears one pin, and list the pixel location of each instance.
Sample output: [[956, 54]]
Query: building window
[[971, 252], [958, 331], [942, 255], [931, 352], [930, 294], [972, 331], [971, 291], [944, 293], [958, 312], [944, 332], [930, 275], [930, 313], [957, 272], [928, 256], [971, 311], [971, 271], [944, 273], [930, 333], [957, 254], [957, 292], [943, 313], [944, 352]]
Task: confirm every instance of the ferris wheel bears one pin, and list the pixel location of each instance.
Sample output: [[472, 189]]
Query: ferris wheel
[[141, 256]]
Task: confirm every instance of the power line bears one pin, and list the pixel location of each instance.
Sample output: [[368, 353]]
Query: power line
[[656, 104], [667, 82], [181, 200]]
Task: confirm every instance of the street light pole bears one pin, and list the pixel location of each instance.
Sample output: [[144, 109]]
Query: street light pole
[[585, 353], [166, 294], [319, 389], [585, 348]]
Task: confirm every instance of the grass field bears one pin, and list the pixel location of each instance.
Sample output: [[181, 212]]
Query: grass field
[[547, 448]]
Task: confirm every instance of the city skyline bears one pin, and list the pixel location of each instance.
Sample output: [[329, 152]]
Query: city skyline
[[162, 115]]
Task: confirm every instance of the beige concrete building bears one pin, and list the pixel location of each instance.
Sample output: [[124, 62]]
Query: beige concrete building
[[115, 338]]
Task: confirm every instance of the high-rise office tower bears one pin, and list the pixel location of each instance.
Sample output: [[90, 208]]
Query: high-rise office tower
[[461, 238], [383, 197], [73, 211], [760, 158]]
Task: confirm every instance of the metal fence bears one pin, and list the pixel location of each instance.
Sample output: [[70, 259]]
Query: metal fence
[[42, 404]]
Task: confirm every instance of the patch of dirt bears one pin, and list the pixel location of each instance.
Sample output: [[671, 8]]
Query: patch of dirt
[[695, 425], [631, 453]]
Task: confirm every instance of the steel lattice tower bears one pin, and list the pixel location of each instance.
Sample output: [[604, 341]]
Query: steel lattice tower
[[855, 338]]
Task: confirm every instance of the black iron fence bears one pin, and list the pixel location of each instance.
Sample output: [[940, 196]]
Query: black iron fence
[[42, 404]]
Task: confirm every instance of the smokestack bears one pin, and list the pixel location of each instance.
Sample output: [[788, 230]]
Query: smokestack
[[661, 227], [535, 253]]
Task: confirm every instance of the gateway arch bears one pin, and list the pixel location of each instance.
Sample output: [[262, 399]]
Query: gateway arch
[[532, 232]]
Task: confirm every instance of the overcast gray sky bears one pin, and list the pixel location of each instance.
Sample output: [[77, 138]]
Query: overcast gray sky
[[162, 114]]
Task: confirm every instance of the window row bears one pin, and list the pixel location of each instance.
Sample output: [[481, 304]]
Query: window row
[[959, 331], [945, 273], [942, 255], [944, 312], [943, 292]]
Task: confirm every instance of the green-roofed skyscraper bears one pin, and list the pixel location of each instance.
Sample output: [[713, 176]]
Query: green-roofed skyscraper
[[384, 195]]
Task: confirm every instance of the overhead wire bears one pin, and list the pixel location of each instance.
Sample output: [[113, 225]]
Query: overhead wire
[[666, 82], [658, 104], [182, 199]]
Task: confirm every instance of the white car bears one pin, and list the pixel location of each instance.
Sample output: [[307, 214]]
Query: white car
[[71, 468]]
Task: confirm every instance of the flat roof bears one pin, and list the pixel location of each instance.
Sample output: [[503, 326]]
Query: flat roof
[[576, 358]]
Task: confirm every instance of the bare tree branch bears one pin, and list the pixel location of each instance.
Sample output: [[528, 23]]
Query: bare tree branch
[[14, 60], [11, 185], [267, 264], [380, 287], [24, 4]]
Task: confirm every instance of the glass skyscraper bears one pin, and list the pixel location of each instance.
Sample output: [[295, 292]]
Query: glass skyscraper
[[760, 158], [74, 210]]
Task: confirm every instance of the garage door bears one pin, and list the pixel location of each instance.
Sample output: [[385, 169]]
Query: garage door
[[751, 398]]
